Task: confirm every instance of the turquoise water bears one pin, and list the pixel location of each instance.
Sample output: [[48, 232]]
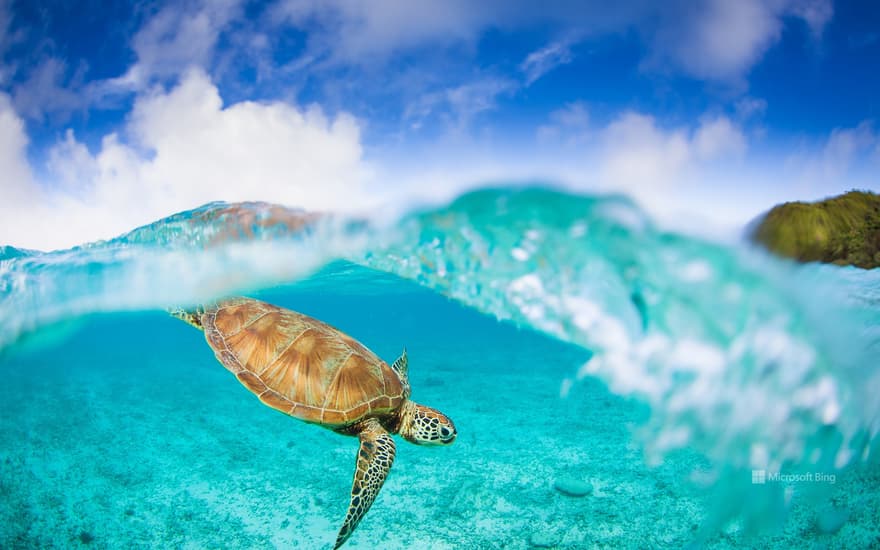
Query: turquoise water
[[577, 347]]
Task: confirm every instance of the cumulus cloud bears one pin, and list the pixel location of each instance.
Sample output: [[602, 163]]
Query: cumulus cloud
[[17, 183], [185, 149], [674, 172], [696, 177], [716, 137], [661, 167], [638, 153], [25, 212]]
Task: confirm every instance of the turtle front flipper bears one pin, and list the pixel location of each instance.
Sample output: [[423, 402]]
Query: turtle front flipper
[[373, 463]]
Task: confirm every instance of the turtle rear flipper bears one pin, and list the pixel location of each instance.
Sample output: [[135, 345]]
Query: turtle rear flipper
[[193, 316], [374, 460]]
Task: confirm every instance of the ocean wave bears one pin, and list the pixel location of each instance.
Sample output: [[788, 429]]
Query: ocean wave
[[743, 357], [738, 353], [187, 258]]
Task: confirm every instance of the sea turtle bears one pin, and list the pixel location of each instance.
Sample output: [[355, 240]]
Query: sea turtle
[[309, 370]]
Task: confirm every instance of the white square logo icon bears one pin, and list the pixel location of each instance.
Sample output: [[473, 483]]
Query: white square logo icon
[[759, 477]]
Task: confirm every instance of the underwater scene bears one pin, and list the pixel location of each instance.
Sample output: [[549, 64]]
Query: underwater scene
[[611, 384]]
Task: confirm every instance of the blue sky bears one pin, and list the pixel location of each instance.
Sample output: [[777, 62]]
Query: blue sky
[[113, 114]]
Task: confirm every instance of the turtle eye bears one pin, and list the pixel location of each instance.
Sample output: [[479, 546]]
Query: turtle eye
[[446, 433]]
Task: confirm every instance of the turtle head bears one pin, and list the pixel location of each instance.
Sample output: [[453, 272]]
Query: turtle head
[[425, 426]]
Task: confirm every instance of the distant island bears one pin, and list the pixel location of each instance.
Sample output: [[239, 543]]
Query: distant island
[[843, 230]]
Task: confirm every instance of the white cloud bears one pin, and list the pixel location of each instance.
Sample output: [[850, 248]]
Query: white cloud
[[359, 31], [722, 39], [186, 149], [673, 172], [25, 212], [708, 39], [72, 166], [717, 137], [840, 153], [639, 155], [727, 38], [44, 92], [541, 62], [847, 158], [16, 181], [175, 39]]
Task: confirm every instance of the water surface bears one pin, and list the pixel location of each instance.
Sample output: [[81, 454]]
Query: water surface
[[570, 339]]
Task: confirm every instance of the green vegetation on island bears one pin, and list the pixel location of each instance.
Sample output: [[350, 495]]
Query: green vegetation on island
[[843, 230]]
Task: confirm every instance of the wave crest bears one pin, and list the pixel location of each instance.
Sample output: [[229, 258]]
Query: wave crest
[[739, 355]]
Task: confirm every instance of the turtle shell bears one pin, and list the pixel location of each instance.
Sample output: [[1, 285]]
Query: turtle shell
[[299, 365]]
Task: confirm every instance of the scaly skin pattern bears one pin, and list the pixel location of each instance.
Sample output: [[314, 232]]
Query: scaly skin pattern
[[374, 460], [416, 423], [425, 426]]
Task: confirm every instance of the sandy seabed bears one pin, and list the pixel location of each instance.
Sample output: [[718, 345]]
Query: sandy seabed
[[126, 433]]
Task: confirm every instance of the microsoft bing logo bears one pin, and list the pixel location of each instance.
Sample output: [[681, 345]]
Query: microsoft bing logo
[[761, 477]]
